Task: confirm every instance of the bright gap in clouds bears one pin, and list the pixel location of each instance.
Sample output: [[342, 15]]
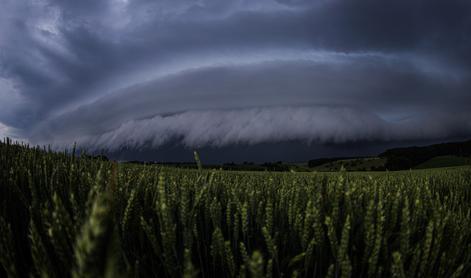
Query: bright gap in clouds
[[4, 131]]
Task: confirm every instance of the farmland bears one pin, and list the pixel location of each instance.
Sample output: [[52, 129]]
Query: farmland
[[63, 215]]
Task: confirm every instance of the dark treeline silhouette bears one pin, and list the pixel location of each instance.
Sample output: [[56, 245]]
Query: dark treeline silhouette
[[277, 166], [324, 160]]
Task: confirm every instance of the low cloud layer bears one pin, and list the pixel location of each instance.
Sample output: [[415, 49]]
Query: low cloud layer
[[124, 73], [218, 128]]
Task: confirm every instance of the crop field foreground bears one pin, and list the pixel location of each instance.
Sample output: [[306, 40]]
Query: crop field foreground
[[66, 216]]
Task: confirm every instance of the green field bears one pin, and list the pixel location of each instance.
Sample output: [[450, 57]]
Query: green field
[[358, 164], [445, 161], [65, 216]]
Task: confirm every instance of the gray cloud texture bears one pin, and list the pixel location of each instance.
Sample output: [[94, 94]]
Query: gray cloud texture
[[117, 73], [220, 128]]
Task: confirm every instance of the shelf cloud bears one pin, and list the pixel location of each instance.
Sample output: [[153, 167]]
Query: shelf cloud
[[124, 73], [219, 128]]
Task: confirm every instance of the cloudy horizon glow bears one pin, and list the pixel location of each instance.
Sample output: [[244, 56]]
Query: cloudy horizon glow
[[125, 73]]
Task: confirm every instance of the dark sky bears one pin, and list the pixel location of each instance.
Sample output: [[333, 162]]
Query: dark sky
[[143, 74]]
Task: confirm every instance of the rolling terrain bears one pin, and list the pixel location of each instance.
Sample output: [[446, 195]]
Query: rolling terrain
[[432, 156]]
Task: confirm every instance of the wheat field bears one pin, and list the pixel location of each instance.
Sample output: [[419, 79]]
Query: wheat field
[[63, 215]]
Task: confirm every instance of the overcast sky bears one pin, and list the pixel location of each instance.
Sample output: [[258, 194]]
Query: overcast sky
[[133, 73]]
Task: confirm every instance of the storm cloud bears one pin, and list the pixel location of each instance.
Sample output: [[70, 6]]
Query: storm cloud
[[124, 73]]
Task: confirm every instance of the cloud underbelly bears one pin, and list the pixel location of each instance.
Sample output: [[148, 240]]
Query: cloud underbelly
[[219, 128], [336, 100]]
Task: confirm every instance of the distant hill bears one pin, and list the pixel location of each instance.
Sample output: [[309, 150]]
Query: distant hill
[[349, 164], [411, 157], [432, 156]]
